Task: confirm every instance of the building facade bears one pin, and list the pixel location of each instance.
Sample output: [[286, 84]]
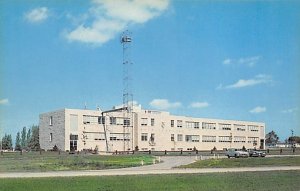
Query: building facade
[[74, 129]]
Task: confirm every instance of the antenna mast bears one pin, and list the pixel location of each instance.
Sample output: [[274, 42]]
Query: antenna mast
[[127, 91]]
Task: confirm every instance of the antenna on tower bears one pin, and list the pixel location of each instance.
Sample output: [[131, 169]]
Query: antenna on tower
[[127, 91]]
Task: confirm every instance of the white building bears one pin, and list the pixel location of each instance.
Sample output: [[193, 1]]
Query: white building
[[74, 129]]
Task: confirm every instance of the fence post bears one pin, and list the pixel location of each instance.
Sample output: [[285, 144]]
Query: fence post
[[159, 159], [214, 156], [200, 157], [142, 162], [153, 161]]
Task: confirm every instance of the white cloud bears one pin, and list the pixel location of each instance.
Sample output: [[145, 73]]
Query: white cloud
[[291, 110], [4, 101], [199, 104], [37, 15], [258, 109], [227, 61], [164, 104], [108, 18], [248, 61], [258, 79]]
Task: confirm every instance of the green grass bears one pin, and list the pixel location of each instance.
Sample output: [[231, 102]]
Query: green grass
[[52, 161], [244, 162], [246, 181]]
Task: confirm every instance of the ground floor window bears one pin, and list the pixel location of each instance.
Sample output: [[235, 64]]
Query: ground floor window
[[73, 142]]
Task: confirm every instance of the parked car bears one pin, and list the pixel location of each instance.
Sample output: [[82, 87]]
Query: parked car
[[256, 153], [232, 152]]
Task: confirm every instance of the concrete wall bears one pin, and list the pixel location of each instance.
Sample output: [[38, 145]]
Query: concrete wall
[[57, 129]]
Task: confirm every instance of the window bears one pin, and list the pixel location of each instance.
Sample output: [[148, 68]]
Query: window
[[88, 119], [189, 124], [208, 125], [252, 127], [172, 137], [73, 137], [179, 137], [192, 138], [144, 121], [101, 120], [152, 121], [119, 120], [144, 137], [172, 123], [51, 120], [152, 137], [238, 127], [119, 137], [225, 127], [208, 138], [225, 139], [196, 125], [113, 120], [179, 123], [51, 138], [239, 139], [127, 122], [253, 140]]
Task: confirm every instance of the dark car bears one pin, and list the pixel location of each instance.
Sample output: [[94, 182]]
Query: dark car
[[256, 153]]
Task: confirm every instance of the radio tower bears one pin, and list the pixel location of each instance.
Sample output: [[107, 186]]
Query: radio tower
[[127, 92]]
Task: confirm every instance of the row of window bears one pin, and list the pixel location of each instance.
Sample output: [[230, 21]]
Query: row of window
[[88, 119], [206, 138], [222, 126]]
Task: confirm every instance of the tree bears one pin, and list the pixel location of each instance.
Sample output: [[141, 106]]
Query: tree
[[23, 138], [272, 138], [18, 142], [33, 143], [28, 136], [294, 139], [6, 142]]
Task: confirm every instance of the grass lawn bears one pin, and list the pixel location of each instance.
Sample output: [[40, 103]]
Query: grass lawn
[[52, 161], [246, 181], [244, 162]]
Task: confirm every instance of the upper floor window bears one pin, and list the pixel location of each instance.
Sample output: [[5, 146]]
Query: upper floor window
[[144, 137], [239, 127], [208, 125], [144, 121], [152, 121], [179, 137], [189, 124], [51, 120], [172, 137], [252, 127], [179, 123], [208, 138], [172, 123], [225, 127]]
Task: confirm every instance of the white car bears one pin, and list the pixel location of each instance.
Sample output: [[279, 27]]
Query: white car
[[236, 153]]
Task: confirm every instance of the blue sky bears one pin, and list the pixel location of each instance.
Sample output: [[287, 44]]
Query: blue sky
[[223, 59]]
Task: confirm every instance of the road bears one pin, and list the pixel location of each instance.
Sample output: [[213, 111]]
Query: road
[[161, 168]]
